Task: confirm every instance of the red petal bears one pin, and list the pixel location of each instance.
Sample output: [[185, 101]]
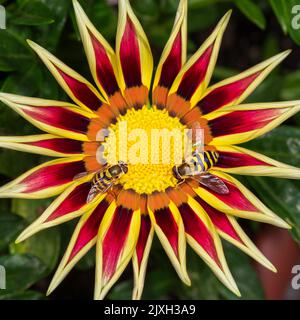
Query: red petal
[[197, 229], [130, 56], [143, 237], [81, 91], [224, 95], [104, 69], [67, 146], [168, 225], [219, 219], [172, 64], [243, 121], [59, 117], [73, 202], [52, 175], [115, 239], [234, 198], [235, 159], [195, 75], [90, 229]]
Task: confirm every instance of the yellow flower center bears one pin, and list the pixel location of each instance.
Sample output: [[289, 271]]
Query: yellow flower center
[[148, 140]]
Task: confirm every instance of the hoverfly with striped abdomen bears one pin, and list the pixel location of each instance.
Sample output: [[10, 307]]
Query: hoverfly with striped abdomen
[[104, 179], [196, 167]]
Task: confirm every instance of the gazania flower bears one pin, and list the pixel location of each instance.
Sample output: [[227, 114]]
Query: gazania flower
[[147, 199]]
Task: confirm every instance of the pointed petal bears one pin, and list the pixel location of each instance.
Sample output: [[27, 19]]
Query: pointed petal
[[117, 238], [55, 117], [77, 88], [44, 144], [169, 228], [229, 229], [140, 256], [239, 124], [235, 90], [195, 75], [239, 160], [45, 180], [83, 239], [134, 57], [172, 59], [71, 204], [101, 57], [239, 201], [203, 238]]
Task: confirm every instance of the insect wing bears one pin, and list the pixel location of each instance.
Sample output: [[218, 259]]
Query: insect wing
[[213, 183], [94, 192], [80, 175]]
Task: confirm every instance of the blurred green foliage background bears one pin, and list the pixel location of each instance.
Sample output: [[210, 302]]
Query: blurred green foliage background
[[258, 29]]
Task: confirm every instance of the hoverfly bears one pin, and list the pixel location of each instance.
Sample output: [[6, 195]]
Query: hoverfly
[[104, 179], [196, 167]]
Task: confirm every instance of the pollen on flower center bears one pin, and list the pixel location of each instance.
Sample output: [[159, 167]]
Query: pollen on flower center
[[137, 138]]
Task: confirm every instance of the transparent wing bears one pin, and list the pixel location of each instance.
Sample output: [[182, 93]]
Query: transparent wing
[[212, 182], [94, 192], [80, 175]]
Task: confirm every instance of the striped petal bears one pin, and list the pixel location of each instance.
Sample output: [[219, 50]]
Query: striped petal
[[229, 229], [195, 76], [239, 160], [44, 181], [234, 90], [117, 238], [203, 238], [134, 57], [169, 228], [239, 124], [141, 254], [239, 201], [83, 239], [44, 144], [71, 204], [101, 57], [172, 59], [77, 88], [55, 117]]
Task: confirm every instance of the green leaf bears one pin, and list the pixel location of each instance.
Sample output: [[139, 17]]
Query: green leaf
[[22, 271], [50, 34], [33, 13], [46, 244], [13, 163], [14, 53], [10, 226], [25, 83], [293, 17], [282, 144], [244, 275], [206, 286], [252, 11], [22, 295], [290, 86], [282, 197], [280, 9]]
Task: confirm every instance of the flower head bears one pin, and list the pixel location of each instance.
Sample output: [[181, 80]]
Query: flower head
[[129, 206]]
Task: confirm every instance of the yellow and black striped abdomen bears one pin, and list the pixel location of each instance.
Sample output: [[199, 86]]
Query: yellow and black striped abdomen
[[102, 180], [202, 162]]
